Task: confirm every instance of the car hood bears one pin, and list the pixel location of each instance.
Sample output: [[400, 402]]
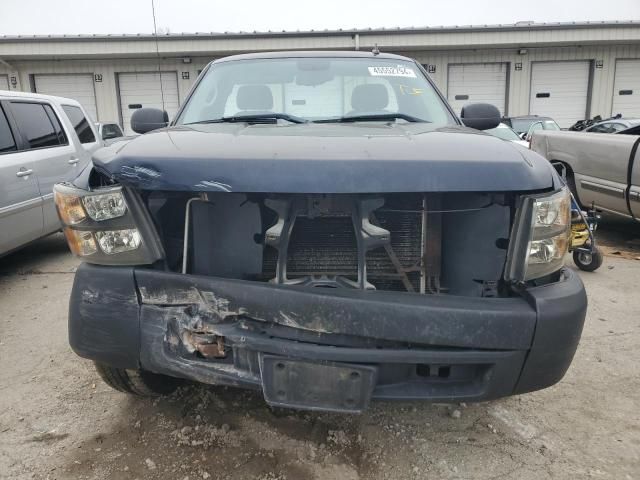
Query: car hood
[[323, 158]]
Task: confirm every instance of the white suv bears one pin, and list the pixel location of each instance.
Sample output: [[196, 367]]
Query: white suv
[[43, 140]]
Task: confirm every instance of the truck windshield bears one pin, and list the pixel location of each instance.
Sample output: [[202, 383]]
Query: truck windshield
[[315, 89]]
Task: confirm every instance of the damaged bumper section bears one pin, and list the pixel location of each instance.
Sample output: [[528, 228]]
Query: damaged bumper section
[[326, 349]]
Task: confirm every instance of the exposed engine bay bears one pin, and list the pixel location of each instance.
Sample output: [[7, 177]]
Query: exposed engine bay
[[416, 243]]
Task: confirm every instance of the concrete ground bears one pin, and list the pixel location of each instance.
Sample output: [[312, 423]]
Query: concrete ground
[[59, 421]]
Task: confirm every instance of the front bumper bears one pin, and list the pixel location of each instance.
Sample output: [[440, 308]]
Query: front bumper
[[437, 348]]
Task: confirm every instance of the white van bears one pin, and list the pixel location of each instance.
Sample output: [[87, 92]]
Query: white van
[[43, 140]]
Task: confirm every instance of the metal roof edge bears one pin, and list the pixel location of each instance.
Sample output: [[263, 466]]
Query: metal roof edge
[[339, 32]]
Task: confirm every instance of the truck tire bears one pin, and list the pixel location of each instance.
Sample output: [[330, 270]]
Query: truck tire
[[137, 382], [588, 262]]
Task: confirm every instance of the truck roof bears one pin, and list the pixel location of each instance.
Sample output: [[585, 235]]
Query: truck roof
[[314, 54], [10, 94]]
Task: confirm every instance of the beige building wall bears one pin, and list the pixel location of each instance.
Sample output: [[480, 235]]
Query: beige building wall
[[519, 47], [519, 81]]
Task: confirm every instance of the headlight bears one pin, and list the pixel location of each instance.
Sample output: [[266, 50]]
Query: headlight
[[105, 206], [73, 209], [553, 212], [101, 227], [118, 241], [69, 208], [541, 236], [81, 243]]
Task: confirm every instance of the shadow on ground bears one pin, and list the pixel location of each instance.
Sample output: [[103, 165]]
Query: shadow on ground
[[619, 237], [49, 254]]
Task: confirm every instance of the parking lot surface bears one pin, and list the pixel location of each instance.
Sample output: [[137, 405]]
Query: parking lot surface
[[59, 421]]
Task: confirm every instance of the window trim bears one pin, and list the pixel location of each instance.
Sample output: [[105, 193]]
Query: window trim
[[12, 129], [24, 143], [87, 119], [62, 130]]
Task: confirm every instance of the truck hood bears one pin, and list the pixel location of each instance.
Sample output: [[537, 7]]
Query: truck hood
[[323, 158]]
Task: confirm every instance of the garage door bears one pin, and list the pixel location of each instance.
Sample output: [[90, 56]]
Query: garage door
[[481, 82], [143, 90], [4, 82], [78, 87], [560, 90], [626, 89]]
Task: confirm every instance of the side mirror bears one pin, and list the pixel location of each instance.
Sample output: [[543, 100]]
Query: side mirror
[[523, 135], [145, 120], [481, 116]]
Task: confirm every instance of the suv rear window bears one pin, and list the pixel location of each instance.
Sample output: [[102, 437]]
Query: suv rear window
[[7, 142], [80, 123], [39, 127]]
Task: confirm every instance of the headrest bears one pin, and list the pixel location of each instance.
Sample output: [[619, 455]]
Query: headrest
[[254, 97], [371, 97]]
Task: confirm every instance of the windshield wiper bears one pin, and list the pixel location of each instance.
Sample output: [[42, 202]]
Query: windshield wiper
[[374, 117], [257, 118]]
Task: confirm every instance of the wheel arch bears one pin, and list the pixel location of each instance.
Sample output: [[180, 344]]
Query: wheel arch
[[565, 170]]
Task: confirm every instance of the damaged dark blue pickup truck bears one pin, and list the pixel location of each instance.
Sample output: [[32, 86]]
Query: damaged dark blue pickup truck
[[323, 227]]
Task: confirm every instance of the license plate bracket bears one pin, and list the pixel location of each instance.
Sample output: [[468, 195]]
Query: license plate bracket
[[316, 385]]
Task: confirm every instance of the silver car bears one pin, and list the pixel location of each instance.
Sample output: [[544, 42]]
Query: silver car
[[43, 140], [614, 125]]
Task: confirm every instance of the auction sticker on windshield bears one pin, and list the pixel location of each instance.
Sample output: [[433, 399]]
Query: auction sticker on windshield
[[397, 71]]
